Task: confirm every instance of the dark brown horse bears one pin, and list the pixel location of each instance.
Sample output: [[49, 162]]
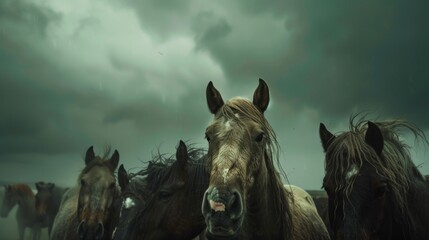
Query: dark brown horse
[[23, 196], [87, 211], [246, 198], [164, 200], [375, 190], [48, 200]]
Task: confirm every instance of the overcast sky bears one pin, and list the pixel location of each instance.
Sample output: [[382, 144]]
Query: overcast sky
[[133, 73]]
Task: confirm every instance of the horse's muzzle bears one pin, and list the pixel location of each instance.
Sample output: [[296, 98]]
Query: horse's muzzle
[[87, 232], [223, 210]]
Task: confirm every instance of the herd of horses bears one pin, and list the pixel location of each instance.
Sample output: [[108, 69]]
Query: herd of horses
[[234, 189]]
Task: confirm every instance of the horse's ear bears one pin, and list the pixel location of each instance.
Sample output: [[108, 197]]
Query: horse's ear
[[50, 186], [90, 155], [214, 99], [325, 136], [123, 177], [374, 137], [182, 153], [261, 96], [38, 185], [114, 160]]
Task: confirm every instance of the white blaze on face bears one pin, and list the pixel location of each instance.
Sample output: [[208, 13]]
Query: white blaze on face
[[225, 175], [129, 203], [227, 125], [352, 172]]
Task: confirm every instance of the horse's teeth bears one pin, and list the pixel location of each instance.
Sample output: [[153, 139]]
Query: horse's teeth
[[217, 206]]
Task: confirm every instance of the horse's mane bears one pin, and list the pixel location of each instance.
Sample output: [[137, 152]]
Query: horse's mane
[[162, 165], [22, 189], [394, 164], [247, 109]]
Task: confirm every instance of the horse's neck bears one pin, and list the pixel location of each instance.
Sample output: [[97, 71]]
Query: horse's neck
[[415, 224], [26, 202], [262, 210]]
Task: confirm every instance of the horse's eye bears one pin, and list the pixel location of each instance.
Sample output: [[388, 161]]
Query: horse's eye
[[207, 137], [260, 137], [380, 191], [164, 194], [82, 182]]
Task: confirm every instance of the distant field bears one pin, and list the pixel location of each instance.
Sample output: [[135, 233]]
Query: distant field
[[8, 227]]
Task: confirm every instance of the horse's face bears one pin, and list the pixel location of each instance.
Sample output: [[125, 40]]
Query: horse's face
[[43, 199], [164, 204], [237, 145], [10, 199], [173, 207], [96, 196], [133, 198], [358, 202], [360, 211]]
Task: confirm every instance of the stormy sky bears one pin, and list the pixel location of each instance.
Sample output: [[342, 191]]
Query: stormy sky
[[132, 74]]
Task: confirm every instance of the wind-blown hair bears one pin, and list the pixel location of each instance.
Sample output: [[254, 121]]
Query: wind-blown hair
[[394, 163], [160, 169]]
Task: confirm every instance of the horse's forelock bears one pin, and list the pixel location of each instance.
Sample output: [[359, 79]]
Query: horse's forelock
[[247, 110]]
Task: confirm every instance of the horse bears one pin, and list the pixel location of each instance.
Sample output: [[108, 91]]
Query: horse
[[23, 196], [246, 198], [321, 203], [375, 191], [163, 201], [87, 211], [47, 203]]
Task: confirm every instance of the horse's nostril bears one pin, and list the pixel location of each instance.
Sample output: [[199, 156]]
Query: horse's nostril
[[99, 231], [205, 206], [82, 230], [236, 205]]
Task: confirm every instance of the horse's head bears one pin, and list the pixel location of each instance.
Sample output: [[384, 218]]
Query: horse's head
[[43, 199], [10, 199], [133, 198], [358, 192], [239, 140], [166, 202], [96, 195]]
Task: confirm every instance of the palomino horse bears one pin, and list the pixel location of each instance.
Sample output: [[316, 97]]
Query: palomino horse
[[23, 196], [246, 198], [87, 211], [48, 200], [375, 191], [164, 200]]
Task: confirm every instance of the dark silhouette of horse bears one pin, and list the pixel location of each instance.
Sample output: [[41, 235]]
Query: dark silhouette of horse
[[322, 208], [246, 198], [163, 201], [23, 196], [87, 210], [48, 200], [375, 190]]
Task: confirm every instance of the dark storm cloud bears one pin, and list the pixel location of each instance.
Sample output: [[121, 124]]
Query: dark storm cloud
[[132, 74], [336, 56], [159, 17], [27, 13]]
